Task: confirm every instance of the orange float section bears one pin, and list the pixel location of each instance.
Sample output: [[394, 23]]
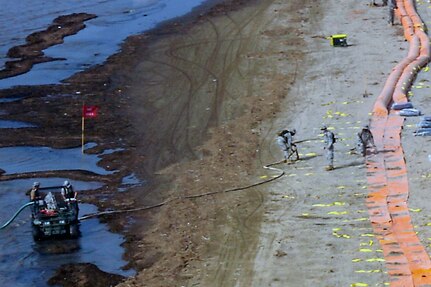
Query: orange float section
[[407, 261], [402, 76]]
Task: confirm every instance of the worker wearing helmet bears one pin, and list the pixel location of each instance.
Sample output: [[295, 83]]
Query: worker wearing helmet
[[285, 141], [34, 191], [67, 191], [365, 140], [329, 140]]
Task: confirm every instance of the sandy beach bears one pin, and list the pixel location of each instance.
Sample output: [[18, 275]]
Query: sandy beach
[[197, 104], [269, 66], [311, 227]]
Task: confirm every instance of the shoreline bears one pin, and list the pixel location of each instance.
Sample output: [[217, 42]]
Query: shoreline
[[116, 22], [218, 245], [229, 154], [207, 97], [91, 85], [31, 52]]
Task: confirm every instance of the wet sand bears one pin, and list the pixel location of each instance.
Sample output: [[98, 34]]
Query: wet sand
[[167, 125], [197, 104], [311, 227]]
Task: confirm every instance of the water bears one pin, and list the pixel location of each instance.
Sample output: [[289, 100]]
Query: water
[[9, 100], [24, 262], [4, 124], [117, 19], [23, 159], [14, 124], [130, 181]]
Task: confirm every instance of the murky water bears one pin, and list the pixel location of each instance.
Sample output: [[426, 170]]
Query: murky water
[[117, 19], [130, 181], [9, 100], [36, 158], [4, 124], [24, 262], [14, 124]]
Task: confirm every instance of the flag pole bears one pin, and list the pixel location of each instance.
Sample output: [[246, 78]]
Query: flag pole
[[87, 112], [82, 133]]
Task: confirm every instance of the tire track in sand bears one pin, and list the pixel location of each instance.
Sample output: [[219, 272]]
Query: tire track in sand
[[235, 248]]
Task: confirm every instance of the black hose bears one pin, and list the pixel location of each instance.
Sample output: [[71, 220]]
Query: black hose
[[269, 166]]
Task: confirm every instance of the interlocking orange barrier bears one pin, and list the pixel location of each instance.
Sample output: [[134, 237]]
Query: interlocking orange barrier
[[402, 76], [407, 261]]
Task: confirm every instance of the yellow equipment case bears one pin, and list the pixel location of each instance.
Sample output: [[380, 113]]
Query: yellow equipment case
[[338, 40]]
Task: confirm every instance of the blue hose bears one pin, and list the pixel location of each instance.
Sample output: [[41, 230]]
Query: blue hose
[[16, 214]]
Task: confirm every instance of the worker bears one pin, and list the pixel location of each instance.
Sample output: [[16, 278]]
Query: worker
[[70, 196], [329, 140], [35, 197], [34, 191], [384, 3], [365, 140], [392, 7], [360, 147], [67, 191], [285, 141]]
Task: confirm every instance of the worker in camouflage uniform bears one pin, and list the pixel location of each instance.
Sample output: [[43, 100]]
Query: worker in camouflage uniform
[[373, 3], [365, 140], [392, 7], [285, 141], [329, 140], [360, 147]]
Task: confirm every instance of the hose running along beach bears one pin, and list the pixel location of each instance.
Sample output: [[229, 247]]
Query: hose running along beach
[[268, 166]]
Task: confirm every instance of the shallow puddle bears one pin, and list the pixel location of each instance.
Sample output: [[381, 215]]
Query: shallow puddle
[[24, 262], [14, 124], [39, 158], [9, 100], [130, 181]]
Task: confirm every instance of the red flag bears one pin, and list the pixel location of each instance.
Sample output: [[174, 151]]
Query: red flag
[[89, 111]]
